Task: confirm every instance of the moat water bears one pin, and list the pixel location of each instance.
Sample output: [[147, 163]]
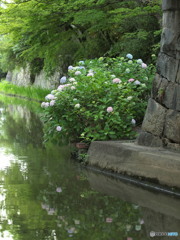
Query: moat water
[[45, 194]]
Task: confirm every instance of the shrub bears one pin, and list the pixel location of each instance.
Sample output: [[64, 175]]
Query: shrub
[[100, 99]]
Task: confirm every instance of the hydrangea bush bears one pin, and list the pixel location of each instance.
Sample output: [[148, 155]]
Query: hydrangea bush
[[99, 99]]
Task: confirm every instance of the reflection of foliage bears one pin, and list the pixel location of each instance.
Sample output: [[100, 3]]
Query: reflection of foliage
[[23, 182], [27, 92], [20, 126], [45, 197], [18, 132], [30, 105]]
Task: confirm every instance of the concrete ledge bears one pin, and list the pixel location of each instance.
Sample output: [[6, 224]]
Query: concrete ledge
[[132, 159]]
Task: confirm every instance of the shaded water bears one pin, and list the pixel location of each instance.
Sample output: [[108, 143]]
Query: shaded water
[[46, 195]]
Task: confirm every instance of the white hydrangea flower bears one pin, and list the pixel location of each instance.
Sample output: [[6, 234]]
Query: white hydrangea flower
[[77, 105]]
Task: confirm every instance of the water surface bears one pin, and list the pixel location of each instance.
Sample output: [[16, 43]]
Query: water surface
[[44, 194]]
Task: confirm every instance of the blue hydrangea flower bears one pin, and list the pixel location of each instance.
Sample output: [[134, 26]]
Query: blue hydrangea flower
[[130, 56], [137, 82], [81, 62], [70, 68], [63, 79]]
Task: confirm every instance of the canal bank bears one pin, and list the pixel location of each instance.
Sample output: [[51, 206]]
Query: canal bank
[[154, 164]]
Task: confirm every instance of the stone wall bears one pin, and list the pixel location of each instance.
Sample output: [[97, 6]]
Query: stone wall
[[22, 77], [161, 125]]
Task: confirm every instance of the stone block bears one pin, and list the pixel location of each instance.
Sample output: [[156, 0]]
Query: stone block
[[167, 67], [170, 96], [172, 126], [168, 42], [178, 75], [9, 76], [172, 146], [168, 5], [178, 46], [154, 118], [156, 85], [147, 139], [161, 90], [178, 52], [21, 76], [51, 82], [171, 20], [178, 98]]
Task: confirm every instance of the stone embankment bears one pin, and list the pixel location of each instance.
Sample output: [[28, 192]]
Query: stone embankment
[[23, 77], [161, 125]]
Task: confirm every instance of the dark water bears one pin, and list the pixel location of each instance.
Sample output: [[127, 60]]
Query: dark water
[[44, 194]]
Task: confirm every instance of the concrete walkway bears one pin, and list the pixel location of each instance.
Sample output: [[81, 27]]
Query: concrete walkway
[[156, 164]]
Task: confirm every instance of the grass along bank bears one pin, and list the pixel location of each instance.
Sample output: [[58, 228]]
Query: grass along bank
[[29, 92]]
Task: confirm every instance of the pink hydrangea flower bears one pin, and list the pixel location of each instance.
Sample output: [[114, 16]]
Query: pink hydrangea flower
[[61, 87], [59, 189], [77, 73], [90, 74], [52, 102], [109, 220], [45, 104], [58, 128], [50, 97], [109, 109], [141, 221], [116, 80], [131, 80], [143, 65]]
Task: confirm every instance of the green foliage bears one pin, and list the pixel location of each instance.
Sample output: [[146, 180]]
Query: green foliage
[[62, 32], [102, 100], [29, 92]]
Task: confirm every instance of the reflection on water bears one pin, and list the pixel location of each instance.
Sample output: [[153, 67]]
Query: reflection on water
[[44, 195]]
